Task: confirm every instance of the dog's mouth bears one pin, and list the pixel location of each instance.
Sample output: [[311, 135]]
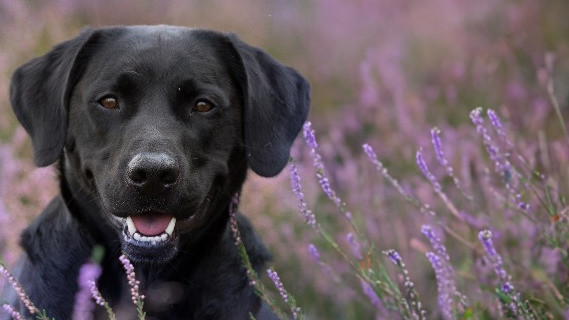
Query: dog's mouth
[[152, 228], [150, 237]]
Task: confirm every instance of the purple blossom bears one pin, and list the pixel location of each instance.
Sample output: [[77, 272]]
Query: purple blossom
[[306, 213], [423, 166], [314, 252], [96, 294], [13, 313], [497, 124], [492, 149], [507, 287], [273, 275], [500, 160], [435, 242], [137, 298], [437, 145], [485, 237], [444, 273], [19, 290], [88, 274], [407, 283], [394, 257], [356, 247], [379, 166], [441, 274], [310, 139], [372, 296]]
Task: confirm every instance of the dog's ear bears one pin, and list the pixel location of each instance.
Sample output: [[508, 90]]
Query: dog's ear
[[276, 101], [40, 92]]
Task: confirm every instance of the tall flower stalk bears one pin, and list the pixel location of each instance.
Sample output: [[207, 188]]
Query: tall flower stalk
[[137, 298]]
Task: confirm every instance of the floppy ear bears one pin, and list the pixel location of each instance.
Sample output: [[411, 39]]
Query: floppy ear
[[40, 92], [276, 100]]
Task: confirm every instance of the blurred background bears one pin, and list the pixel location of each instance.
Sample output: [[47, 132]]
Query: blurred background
[[382, 72]]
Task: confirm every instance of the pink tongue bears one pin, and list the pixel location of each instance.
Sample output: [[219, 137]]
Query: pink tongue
[[151, 224]]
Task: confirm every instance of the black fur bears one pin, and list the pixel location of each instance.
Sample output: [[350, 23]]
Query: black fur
[[154, 155]]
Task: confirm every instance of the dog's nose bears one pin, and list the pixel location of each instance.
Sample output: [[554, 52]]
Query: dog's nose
[[152, 171]]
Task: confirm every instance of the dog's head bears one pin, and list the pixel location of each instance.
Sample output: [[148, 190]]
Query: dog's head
[[159, 124]]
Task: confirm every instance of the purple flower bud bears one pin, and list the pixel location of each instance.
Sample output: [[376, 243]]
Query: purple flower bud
[[372, 296], [314, 252], [306, 213], [356, 247], [436, 139], [273, 275], [309, 136], [88, 275], [423, 166], [310, 139], [485, 237], [394, 257], [137, 298], [15, 314], [19, 290]]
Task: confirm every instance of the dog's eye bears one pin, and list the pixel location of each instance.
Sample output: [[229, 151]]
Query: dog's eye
[[109, 102], [203, 106]]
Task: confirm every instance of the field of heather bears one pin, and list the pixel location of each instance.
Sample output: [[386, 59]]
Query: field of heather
[[432, 179]]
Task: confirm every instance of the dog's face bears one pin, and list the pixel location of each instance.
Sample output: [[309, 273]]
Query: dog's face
[[159, 124]]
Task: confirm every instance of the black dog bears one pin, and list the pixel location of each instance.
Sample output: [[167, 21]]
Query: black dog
[[154, 128]]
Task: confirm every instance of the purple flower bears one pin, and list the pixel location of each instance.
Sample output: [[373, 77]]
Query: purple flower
[[310, 139], [13, 313], [437, 145], [394, 257], [497, 124], [306, 213], [273, 275], [485, 237], [379, 166], [314, 252], [372, 296], [444, 273], [423, 166], [19, 290], [356, 247], [441, 274], [137, 298], [88, 275], [96, 294], [435, 242], [507, 287], [309, 136], [284, 294], [411, 294], [492, 149]]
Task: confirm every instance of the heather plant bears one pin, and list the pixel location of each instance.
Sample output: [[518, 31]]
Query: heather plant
[[384, 294], [383, 73]]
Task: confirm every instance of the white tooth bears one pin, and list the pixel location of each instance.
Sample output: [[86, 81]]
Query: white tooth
[[130, 225], [171, 226], [156, 239], [164, 237], [137, 236], [144, 238]]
